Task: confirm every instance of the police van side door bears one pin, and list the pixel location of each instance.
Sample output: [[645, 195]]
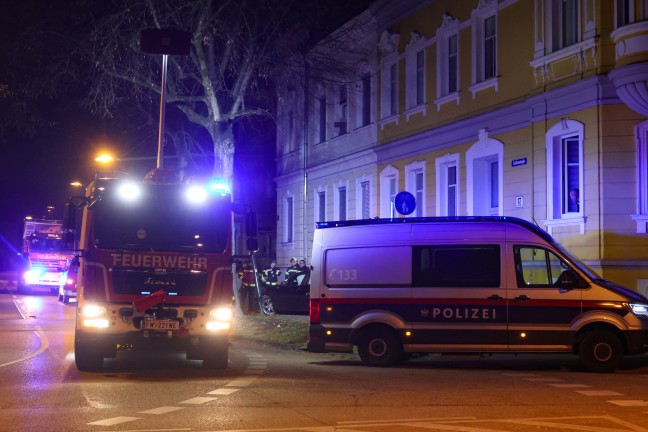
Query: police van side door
[[542, 302], [459, 297]]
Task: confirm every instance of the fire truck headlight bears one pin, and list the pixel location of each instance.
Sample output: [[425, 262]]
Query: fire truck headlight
[[639, 309], [94, 316], [220, 318], [32, 276], [129, 191], [196, 194]]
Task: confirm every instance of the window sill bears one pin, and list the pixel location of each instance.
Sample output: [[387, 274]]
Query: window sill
[[566, 221], [387, 120], [447, 98], [642, 223], [415, 110], [483, 85]]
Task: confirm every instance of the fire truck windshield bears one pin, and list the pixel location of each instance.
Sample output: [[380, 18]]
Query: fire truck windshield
[[46, 244], [161, 220]]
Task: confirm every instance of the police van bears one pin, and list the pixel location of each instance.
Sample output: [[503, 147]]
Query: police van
[[393, 287]]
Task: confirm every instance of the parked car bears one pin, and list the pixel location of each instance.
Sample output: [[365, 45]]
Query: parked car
[[68, 284], [286, 298]]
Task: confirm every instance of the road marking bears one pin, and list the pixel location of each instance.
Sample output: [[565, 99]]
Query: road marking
[[570, 385], [543, 379], [44, 345], [113, 421], [161, 410], [629, 403], [240, 383], [599, 393], [223, 391], [198, 400]]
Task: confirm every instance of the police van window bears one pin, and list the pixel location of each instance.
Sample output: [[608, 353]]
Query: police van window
[[369, 267], [457, 266], [537, 267]]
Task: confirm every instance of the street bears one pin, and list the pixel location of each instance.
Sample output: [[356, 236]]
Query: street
[[272, 389]]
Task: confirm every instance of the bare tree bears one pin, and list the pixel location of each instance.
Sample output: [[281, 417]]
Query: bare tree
[[233, 49]]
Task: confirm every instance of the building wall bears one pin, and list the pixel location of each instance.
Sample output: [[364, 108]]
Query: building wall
[[554, 114]]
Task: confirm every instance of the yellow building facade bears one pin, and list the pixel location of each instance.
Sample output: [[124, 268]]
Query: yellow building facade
[[536, 109]]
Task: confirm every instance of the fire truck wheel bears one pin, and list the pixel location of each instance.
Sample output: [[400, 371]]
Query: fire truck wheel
[[215, 359], [214, 352], [379, 346], [87, 358], [601, 351]]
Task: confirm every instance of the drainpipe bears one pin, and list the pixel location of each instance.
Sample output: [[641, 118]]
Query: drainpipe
[[305, 160]]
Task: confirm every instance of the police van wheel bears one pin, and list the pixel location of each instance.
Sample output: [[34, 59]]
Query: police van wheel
[[379, 347], [601, 351], [266, 306]]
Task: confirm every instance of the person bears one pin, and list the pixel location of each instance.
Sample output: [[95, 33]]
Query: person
[[247, 290], [292, 272], [574, 200], [271, 275], [304, 270]]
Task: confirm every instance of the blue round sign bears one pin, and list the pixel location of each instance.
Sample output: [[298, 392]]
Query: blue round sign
[[405, 203]]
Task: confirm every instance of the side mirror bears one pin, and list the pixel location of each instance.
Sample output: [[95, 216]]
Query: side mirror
[[69, 217], [251, 228], [69, 241]]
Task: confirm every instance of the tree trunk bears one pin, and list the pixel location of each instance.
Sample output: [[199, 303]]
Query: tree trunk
[[223, 137]]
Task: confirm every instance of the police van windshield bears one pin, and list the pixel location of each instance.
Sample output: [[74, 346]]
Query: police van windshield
[[577, 262], [161, 220]]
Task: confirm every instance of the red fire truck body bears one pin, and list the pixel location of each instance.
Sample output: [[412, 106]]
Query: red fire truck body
[[155, 271]]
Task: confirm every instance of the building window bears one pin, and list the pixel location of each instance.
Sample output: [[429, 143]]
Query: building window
[[565, 23], [624, 12], [341, 120], [340, 200], [393, 89], [365, 114], [565, 171], [365, 200], [388, 190], [415, 184], [484, 176], [452, 63], [490, 47], [320, 204], [342, 203], [289, 220], [641, 218], [420, 77], [322, 119], [415, 77], [447, 61], [447, 171], [291, 132]]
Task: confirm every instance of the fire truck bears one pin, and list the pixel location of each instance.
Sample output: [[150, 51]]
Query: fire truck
[[155, 268], [44, 255]]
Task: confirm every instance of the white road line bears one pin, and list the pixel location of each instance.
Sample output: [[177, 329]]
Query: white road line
[[543, 379], [599, 393], [161, 410], [113, 421], [223, 391], [629, 403], [44, 345], [198, 400], [240, 383], [570, 385]]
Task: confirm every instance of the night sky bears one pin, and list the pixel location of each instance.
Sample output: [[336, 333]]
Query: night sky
[[48, 138]]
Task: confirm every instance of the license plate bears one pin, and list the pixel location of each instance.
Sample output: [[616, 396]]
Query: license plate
[[161, 325]]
